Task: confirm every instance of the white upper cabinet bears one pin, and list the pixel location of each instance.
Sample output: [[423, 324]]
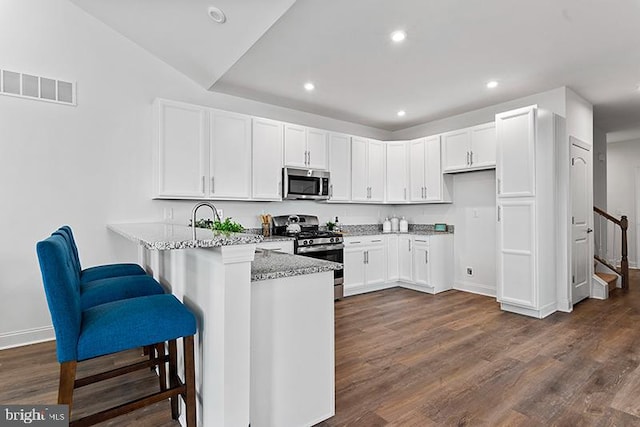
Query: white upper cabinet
[[230, 154], [202, 153], [267, 159], [427, 183], [515, 172], [305, 147], [339, 167], [367, 170], [180, 154], [397, 172], [468, 149]]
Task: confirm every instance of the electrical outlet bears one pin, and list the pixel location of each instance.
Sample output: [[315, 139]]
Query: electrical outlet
[[469, 271], [220, 213]]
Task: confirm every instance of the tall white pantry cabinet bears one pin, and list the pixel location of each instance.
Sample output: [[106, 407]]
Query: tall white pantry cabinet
[[526, 167]]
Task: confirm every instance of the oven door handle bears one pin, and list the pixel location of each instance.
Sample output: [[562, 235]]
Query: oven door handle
[[320, 248]]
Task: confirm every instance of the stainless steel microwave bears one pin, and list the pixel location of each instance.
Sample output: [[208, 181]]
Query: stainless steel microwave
[[307, 184]]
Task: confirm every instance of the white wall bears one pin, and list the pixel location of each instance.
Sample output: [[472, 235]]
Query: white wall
[[91, 165], [599, 169], [623, 158]]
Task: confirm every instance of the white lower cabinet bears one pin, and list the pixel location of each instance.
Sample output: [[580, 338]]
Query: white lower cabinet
[[419, 262], [365, 264]]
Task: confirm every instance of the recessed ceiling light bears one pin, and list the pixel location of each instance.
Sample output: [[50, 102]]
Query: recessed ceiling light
[[217, 15], [401, 113], [492, 84], [398, 36], [309, 86]]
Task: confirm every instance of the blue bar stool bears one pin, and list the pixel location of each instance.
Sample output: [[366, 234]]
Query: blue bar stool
[[113, 327], [109, 282], [100, 271]]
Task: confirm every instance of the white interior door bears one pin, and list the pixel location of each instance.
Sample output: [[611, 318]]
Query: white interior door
[[581, 218]]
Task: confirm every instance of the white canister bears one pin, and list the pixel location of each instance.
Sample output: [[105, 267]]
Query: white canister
[[386, 226], [404, 225], [394, 224]]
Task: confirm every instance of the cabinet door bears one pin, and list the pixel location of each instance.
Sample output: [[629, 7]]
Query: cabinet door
[[359, 185], [230, 156], [317, 149], [267, 160], [376, 171], [483, 146], [183, 144], [455, 150], [393, 272], [376, 265], [295, 146], [354, 267], [421, 262], [417, 169], [516, 253], [340, 167], [405, 258], [433, 171], [515, 166], [396, 171]]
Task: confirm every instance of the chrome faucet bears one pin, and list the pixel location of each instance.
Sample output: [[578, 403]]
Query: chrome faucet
[[195, 210]]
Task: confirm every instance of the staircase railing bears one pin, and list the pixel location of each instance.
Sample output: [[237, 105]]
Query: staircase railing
[[608, 228]]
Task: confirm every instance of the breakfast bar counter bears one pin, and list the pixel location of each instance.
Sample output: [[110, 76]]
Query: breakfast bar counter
[[248, 312]]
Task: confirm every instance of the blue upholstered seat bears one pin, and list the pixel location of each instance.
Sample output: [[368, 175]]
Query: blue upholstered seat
[[110, 282], [105, 328], [100, 271]]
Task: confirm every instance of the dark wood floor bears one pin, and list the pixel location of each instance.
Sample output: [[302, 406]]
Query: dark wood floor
[[409, 359]]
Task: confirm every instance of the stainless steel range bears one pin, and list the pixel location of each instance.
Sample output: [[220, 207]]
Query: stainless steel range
[[310, 241]]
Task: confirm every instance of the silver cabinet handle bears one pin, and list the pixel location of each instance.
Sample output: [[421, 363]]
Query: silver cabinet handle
[[499, 186], [309, 158], [425, 192], [212, 185], [202, 183], [353, 243], [377, 240], [367, 255], [409, 244], [499, 213], [467, 158], [426, 257], [470, 158], [330, 191]]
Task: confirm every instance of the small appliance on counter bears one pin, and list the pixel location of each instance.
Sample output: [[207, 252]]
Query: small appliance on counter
[[404, 225], [395, 224], [310, 241]]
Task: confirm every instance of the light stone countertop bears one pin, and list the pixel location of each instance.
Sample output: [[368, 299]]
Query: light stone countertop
[[269, 265], [161, 236]]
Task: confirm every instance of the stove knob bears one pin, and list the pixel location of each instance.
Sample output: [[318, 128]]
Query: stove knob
[[304, 243], [311, 242], [331, 240]]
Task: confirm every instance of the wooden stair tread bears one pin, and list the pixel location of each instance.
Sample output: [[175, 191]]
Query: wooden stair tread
[[607, 277]]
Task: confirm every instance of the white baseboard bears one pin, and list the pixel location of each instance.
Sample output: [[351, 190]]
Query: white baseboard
[[475, 288], [356, 290], [26, 337]]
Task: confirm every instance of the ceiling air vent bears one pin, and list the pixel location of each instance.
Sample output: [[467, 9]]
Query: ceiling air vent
[[37, 87]]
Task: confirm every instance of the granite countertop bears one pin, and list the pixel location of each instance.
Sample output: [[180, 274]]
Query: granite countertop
[[278, 238], [161, 236], [379, 232], [269, 265]]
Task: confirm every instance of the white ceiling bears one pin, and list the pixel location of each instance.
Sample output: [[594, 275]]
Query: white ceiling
[[453, 48]]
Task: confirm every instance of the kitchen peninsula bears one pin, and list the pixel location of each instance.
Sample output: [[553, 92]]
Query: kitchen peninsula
[[265, 341]]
